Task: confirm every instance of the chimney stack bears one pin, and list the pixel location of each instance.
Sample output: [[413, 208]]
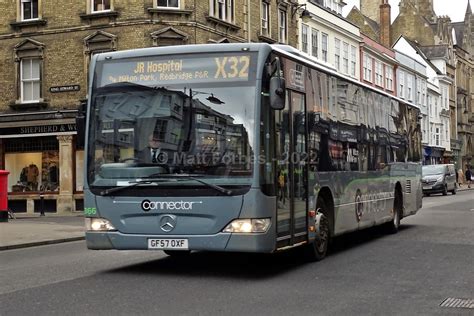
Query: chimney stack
[[385, 23]]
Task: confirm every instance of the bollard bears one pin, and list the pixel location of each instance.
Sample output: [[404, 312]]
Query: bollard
[[41, 204], [4, 196]]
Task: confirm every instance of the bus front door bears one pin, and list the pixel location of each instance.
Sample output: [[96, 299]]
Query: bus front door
[[291, 171]]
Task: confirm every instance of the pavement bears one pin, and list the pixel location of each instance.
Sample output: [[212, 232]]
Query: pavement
[[28, 230], [34, 230]]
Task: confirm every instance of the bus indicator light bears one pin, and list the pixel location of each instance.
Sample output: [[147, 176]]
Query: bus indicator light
[[98, 224]]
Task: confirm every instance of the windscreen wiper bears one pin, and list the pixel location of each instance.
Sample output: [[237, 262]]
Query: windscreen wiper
[[153, 178], [186, 176], [131, 185]]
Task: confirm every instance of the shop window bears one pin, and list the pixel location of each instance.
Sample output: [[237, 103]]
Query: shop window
[[33, 164], [79, 205], [17, 206], [47, 206]]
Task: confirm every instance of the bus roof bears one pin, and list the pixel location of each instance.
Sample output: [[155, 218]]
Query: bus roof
[[183, 49], [320, 65]]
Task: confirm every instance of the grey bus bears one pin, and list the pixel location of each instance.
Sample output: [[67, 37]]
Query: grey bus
[[261, 149]]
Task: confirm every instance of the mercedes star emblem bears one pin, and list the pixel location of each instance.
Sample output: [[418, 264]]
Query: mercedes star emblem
[[168, 223]]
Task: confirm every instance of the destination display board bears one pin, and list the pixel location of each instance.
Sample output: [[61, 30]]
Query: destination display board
[[165, 70]]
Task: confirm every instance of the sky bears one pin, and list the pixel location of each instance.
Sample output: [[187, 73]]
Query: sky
[[455, 9]]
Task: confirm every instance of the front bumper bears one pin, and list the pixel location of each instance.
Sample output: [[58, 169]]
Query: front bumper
[[436, 188], [262, 243]]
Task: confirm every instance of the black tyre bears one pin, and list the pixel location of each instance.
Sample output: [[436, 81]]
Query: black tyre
[[177, 253], [316, 250], [445, 190], [393, 226], [454, 191]]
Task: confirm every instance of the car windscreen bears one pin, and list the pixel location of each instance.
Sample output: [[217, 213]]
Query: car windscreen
[[433, 170]]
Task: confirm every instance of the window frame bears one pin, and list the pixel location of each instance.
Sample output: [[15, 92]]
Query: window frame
[[337, 53], [378, 73], [156, 5], [353, 60], [314, 40], [265, 18], [30, 80], [224, 13], [437, 136], [345, 57], [22, 11], [368, 68], [409, 87], [418, 90], [92, 5], [388, 78], [304, 38], [282, 25], [401, 83], [324, 46]]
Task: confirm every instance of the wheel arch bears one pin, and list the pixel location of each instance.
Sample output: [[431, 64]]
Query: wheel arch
[[398, 203], [326, 194]]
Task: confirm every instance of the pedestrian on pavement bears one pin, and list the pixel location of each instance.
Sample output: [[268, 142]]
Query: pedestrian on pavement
[[468, 175], [460, 177]]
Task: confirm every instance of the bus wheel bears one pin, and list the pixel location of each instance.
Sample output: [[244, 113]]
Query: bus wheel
[[392, 226], [177, 253], [316, 250]]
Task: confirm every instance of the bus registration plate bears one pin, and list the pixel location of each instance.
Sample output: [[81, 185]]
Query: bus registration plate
[[168, 244]]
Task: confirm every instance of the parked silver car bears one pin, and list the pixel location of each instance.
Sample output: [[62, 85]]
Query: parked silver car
[[439, 179]]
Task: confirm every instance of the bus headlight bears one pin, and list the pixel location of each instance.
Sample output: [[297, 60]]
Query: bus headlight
[[254, 225], [98, 224]]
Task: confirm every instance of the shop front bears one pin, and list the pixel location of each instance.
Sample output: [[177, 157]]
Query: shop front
[[45, 166], [432, 155]]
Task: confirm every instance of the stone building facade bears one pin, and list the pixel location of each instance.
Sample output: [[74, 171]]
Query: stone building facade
[[464, 50], [45, 49], [445, 44]]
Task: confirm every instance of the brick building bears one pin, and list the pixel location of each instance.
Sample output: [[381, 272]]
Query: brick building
[[45, 49]]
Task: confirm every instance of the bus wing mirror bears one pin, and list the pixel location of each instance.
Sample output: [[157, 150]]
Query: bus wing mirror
[[277, 93], [81, 124]]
